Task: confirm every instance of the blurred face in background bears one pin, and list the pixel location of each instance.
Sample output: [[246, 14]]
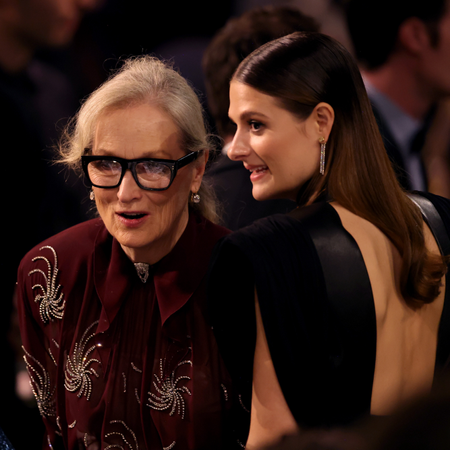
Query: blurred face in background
[[434, 58], [47, 23]]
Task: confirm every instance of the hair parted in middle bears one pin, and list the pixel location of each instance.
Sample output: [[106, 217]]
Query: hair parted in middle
[[305, 68], [143, 79]]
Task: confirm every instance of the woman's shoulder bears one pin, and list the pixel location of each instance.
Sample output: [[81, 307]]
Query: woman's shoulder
[[267, 229], [58, 266], [282, 231], [73, 243], [272, 247]]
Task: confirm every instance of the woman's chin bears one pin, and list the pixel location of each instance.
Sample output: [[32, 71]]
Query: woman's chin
[[267, 194], [259, 197]]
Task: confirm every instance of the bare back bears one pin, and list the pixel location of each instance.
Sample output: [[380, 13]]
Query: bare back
[[406, 338]]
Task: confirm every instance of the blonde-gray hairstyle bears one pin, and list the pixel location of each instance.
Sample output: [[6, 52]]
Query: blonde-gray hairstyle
[[143, 79]]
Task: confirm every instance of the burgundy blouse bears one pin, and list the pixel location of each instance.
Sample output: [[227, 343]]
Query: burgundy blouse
[[116, 363]]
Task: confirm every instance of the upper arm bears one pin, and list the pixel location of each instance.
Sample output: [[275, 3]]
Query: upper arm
[[270, 415]]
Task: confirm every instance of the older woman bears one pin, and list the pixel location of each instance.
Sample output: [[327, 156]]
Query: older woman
[[344, 303], [115, 336]]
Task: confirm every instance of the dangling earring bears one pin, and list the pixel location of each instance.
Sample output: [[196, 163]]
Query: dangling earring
[[92, 195], [322, 155], [195, 198]]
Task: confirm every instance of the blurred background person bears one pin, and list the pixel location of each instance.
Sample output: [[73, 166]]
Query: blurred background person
[[33, 97], [436, 150], [403, 48], [237, 39]]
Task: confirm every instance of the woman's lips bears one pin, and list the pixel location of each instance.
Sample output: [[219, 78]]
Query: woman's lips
[[257, 172], [132, 218]]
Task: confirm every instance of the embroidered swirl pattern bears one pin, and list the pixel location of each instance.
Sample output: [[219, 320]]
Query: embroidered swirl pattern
[[77, 370], [122, 437], [40, 385], [170, 394], [51, 300]]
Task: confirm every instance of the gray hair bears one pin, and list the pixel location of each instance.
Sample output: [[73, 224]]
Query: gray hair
[[140, 80]]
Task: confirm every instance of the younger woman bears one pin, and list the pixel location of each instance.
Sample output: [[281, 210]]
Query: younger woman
[[343, 303]]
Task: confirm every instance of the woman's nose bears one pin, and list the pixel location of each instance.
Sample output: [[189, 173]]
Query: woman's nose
[[239, 149], [128, 189]]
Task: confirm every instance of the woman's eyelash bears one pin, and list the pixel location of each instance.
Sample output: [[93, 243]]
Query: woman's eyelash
[[255, 125]]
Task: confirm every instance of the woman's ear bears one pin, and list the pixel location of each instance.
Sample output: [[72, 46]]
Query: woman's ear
[[323, 116], [199, 170]]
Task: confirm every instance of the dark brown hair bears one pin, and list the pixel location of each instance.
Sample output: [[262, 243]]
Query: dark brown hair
[[303, 69], [236, 40]]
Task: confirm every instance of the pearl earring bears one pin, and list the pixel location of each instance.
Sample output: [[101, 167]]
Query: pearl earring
[[195, 198]]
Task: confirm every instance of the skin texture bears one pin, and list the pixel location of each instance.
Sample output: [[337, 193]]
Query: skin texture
[[270, 414], [145, 131], [406, 336], [280, 150]]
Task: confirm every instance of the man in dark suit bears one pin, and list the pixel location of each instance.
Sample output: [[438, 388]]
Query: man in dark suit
[[237, 39], [403, 47]]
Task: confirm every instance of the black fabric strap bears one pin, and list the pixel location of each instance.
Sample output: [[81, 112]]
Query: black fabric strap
[[351, 304], [433, 220], [438, 228]]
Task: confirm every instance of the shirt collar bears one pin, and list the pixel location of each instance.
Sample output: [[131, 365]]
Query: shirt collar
[[175, 277], [179, 273], [402, 126]]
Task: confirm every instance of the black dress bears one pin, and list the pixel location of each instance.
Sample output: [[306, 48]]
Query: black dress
[[317, 308]]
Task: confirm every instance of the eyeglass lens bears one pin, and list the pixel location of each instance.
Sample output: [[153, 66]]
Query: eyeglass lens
[[106, 173]]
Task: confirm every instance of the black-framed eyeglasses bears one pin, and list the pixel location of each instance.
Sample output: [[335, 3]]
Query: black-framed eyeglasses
[[150, 174]]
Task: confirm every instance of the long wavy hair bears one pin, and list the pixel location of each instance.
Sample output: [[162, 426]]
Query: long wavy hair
[[305, 68], [144, 79]]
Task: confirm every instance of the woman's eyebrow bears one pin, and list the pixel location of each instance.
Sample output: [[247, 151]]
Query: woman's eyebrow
[[248, 114]]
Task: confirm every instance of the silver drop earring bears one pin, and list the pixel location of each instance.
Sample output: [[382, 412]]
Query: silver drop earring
[[195, 198], [322, 155], [92, 195]]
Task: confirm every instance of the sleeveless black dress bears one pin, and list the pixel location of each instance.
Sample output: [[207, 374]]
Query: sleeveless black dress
[[316, 305]]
